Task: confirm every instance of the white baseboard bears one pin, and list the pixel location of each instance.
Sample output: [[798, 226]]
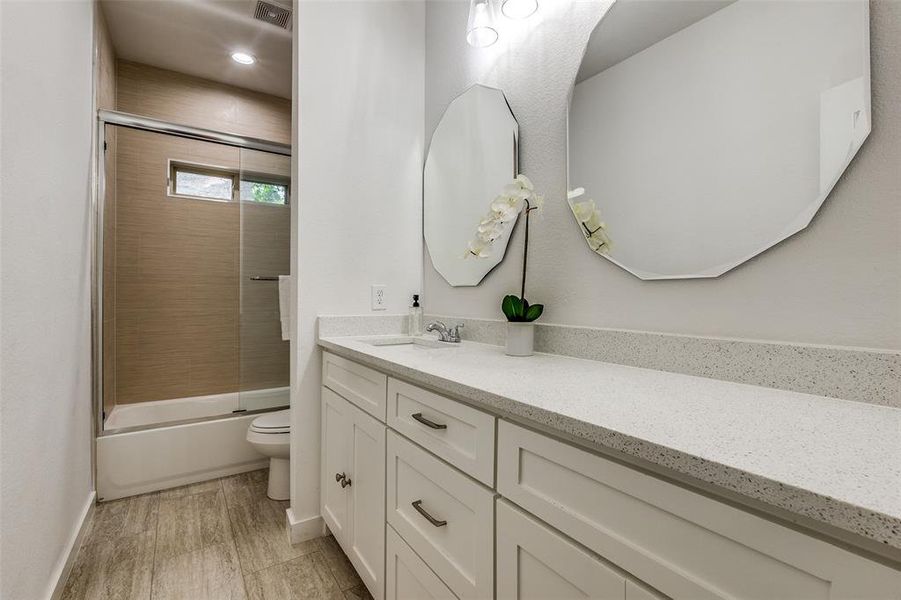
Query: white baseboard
[[61, 572], [301, 530]]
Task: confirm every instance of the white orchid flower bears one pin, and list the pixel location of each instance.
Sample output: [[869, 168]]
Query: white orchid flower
[[525, 182], [516, 192], [584, 210], [478, 249], [505, 208], [505, 213]]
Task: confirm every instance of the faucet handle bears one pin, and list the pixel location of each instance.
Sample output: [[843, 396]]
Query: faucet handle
[[454, 332]]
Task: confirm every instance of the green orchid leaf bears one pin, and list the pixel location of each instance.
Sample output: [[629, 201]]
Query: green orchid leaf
[[518, 312], [508, 305], [534, 312]]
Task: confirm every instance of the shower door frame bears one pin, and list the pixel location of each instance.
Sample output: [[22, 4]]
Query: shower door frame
[[132, 121]]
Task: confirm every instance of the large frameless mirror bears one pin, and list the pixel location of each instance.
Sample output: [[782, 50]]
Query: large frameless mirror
[[471, 158], [706, 131]]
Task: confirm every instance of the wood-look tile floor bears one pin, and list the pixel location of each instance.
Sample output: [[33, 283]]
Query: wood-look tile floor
[[216, 540]]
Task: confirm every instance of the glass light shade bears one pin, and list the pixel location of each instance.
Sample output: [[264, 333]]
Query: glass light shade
[[519, 9], [481, 30]]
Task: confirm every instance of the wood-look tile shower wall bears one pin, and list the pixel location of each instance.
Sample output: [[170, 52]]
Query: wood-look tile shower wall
[[184, 323]]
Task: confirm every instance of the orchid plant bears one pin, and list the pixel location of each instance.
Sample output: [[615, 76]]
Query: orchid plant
[[589, 218], [518, 196]]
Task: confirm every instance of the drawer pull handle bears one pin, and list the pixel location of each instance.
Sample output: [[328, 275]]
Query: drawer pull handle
[[339, 477], [418, 506], [427, 422], [345, 482]]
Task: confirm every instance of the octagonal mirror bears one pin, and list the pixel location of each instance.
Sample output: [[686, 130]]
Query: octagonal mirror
[[472, 156], [706, 131]]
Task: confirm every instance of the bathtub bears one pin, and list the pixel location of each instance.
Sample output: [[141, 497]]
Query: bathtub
[[143, 414], [156, 457]]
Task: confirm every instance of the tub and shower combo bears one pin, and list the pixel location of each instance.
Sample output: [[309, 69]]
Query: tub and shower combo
[[192, 233]]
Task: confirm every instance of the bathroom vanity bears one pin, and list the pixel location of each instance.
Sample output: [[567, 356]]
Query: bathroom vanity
[[453, 471]]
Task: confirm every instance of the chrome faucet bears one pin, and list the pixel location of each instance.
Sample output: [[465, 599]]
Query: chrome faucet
[[451, 335]]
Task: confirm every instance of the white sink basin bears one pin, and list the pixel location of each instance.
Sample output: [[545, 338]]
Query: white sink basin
[[406, 340]]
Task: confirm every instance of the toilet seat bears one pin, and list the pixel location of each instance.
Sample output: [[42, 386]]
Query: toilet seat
[[271, 423]]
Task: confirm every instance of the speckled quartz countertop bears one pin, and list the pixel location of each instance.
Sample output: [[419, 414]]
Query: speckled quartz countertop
[[832, 461]]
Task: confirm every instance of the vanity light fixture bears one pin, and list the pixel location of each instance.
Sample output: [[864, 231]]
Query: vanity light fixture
[[243, 58], [481, 30], [519, 9]]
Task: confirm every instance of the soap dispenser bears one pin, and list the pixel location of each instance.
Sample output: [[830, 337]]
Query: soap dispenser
[[415, 317]]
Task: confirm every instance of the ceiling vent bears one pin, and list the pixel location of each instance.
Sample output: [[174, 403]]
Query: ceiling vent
[[273, 14]]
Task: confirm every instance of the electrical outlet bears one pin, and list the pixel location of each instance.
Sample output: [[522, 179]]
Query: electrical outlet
[[378, 297]]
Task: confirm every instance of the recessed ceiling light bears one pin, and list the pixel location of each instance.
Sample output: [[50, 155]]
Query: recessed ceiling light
[[243, 58]]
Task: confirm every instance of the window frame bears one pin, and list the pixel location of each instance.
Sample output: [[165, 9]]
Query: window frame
[[237, 176], [200, 169]]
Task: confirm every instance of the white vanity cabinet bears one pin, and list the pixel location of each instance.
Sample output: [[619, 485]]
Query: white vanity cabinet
[[678, 541], [447, 501], [353, 486]]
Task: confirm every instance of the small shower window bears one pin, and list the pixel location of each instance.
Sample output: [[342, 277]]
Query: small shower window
[[264, 192], [195, 181], [211, 183]]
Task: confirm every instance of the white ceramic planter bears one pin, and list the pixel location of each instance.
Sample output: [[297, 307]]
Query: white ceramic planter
[[520, 339]]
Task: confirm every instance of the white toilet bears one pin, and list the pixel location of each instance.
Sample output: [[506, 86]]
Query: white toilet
[[270, 434]]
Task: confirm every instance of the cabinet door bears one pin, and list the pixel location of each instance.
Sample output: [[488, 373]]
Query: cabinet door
[[366, 536], [407, 577], [336, 422], [534, 562]]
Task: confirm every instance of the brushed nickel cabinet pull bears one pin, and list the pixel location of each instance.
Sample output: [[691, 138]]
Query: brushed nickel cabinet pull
[[427, 422], [436, 522]]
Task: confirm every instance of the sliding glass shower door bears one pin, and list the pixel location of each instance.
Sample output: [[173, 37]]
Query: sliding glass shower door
[[265, 191], [194, 236]]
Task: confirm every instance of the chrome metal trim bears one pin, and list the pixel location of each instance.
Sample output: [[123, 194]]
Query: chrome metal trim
[[98, 202], [115, 117]]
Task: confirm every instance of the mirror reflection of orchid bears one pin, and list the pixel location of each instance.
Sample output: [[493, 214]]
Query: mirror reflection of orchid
[[518, 196], [589, 218]]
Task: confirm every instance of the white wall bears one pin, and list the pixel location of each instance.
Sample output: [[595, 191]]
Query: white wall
[[838, 282], [358, 218], [45, 365]]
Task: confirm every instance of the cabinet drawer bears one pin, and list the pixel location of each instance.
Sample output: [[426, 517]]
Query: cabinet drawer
[[361, 385], [460, 434], [534, 561], [408, 577], [682, 543], [447, 518]]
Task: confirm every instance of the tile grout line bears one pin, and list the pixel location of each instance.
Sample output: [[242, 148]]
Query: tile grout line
[[156, 541], [231, 531]]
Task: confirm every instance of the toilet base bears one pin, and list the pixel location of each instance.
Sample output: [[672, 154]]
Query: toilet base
[[279, 479]]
